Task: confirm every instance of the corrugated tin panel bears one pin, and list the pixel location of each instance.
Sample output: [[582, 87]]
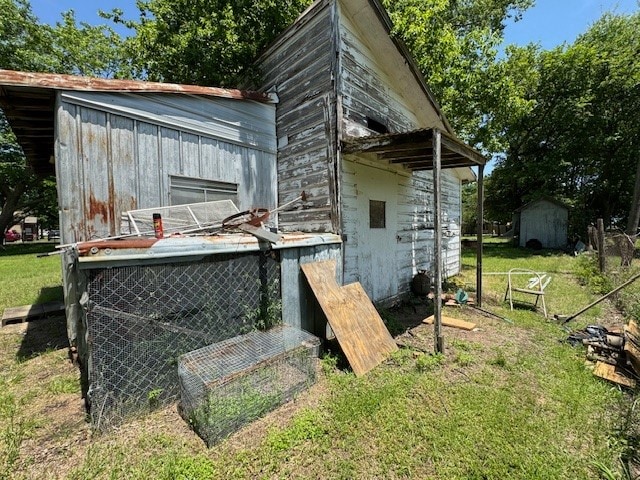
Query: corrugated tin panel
[[246, 123], [110, 162], [299, 67]]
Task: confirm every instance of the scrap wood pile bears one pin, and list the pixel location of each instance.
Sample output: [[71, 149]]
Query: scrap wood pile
[[616, 354]]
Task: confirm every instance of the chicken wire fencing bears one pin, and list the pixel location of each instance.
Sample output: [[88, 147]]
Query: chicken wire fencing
[[141, 318], [234, 382]]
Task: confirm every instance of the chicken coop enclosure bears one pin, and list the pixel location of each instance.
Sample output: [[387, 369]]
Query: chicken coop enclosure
[[141, 309]]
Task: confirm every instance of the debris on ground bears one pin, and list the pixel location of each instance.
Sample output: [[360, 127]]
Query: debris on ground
[[616, 354], [451, 322]]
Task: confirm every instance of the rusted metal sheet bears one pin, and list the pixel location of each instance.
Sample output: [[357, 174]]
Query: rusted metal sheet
[[57, 81], [111, 157]]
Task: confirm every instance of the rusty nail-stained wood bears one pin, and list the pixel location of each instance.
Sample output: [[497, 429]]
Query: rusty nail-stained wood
[[480, 221], [437, 220]]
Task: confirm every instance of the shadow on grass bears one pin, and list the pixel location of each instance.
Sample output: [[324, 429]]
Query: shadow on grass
[[36, 248], [46, 333], [505, 250]]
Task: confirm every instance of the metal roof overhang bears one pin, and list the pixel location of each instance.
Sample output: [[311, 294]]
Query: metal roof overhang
[[28, 102], [415, 149], [429, 149]]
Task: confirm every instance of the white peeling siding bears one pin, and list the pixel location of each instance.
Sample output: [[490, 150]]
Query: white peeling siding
[[299, 68], [370, 84], [385, 262]]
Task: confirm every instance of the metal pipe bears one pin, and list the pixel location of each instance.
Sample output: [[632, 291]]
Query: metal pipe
[[437, 221], [592, 304]]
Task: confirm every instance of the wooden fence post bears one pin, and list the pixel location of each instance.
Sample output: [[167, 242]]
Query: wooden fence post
[[602, 255]]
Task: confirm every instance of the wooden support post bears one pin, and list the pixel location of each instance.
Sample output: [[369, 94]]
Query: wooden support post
[[437, 221], [480, 223], [602, 262]]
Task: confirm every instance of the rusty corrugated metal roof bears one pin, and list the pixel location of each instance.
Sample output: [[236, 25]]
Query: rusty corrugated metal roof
[[28, 101], [57, 81]]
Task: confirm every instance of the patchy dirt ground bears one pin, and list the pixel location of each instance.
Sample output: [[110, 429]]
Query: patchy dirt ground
[[59, 437]]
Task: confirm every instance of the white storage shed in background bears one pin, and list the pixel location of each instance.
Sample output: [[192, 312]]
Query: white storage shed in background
[[545, 220]]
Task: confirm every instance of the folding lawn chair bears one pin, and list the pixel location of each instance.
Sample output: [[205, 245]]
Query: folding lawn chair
[[535, 286]]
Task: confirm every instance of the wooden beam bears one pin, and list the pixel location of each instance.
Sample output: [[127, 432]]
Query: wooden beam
[[454, 145], [451, 322]]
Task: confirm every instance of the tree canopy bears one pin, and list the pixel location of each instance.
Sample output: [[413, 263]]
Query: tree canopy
[[455, 43], [577, 138], [28, 45], [204, 42]]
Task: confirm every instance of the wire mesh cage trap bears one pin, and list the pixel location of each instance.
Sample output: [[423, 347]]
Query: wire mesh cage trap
[[141, 318], [234, 382]]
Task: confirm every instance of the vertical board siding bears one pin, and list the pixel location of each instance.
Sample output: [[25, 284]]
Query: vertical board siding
[[299, 307], [69, 168], [299, 67], [545, 221], [108, 163]]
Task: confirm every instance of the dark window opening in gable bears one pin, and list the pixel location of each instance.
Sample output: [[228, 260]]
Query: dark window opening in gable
[[377, 214], [376, 126], [195, 190]]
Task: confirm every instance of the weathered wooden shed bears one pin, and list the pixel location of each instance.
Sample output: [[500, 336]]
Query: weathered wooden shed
[[121, 145], [359, 130], [544, 219]]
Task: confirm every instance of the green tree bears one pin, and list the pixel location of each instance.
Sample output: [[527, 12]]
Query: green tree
[[21, 193], [88, 50], [205, 42], [577, 140], [469, 208], [455, 43]]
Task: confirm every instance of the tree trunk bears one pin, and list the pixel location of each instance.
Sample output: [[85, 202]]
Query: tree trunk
[[11, 204], [627, 246]]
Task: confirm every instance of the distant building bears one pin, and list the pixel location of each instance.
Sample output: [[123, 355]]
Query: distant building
[[545, 219]]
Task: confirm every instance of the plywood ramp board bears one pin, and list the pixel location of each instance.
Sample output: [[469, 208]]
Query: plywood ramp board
[[360, 331], [608, 372], [451, 322], [633, 354]]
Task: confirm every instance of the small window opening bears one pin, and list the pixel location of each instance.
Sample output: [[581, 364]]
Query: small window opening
[[377, 214], [376, 126], [195, 190]]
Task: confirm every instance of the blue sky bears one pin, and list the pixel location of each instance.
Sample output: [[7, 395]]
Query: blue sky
[[552, 22], [549, 22]]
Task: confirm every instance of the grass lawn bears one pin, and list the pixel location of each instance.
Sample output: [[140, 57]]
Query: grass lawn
[[26, 279], [506, 401]]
